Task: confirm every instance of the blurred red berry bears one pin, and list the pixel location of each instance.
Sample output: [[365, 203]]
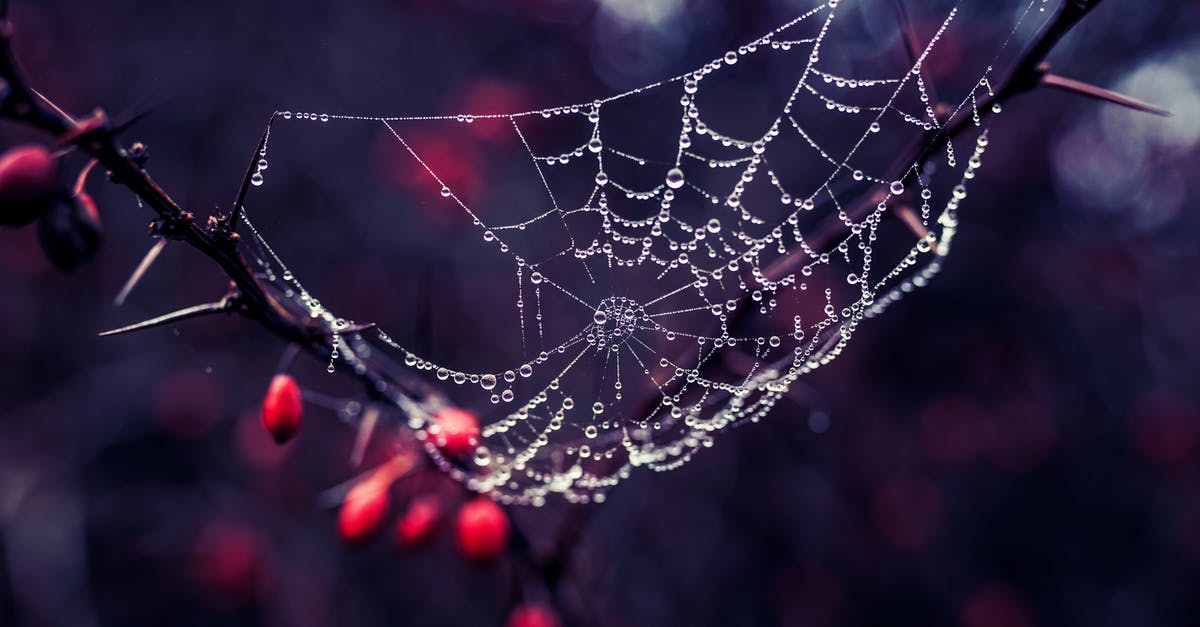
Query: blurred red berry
[[1166, 429], [490, 96], [456, 431], [532, 615], [419, 522], [954, 429], [1026, 438], [28, 184], [282, 408], [363, 511], [997, 605], [482, 529], [908, 511], [228, 559], [70, 231]]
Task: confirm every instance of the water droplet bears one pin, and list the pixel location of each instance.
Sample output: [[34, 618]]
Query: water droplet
[[487, 381], [445, 192], [256, 179], [600, 317], [674, 178], [590, 431], [714, 225], [601, 179], [897, 188], [595, 145], [597, 407], [731, 57]]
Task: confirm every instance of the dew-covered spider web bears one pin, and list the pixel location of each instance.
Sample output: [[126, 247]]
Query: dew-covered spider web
[[658, 266]]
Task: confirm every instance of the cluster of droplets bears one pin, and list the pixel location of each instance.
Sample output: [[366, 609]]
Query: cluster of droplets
[[717, 254]]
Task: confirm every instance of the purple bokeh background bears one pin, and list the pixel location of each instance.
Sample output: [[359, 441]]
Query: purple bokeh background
[[1017, 444]]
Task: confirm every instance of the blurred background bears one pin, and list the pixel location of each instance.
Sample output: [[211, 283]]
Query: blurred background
[[1017, 444]]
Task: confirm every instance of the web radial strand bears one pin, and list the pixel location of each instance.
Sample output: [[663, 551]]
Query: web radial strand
[[675, 257]]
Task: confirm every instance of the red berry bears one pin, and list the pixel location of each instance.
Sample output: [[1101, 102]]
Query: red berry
[[532, 615], [482, 529], [419, 521], [363, 511], [70, 231], [28, 184], [456, 430], [282, 409]]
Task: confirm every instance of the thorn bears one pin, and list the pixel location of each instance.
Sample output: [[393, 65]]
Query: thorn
[[50, 103], [133, 119], [81, 180], [286, 359], [138, 272], [223, 305], [1099, 93], [384, 475], [365, 428], [251, 169]]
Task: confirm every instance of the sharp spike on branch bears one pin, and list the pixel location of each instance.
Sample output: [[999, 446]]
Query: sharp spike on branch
[[81, 180], [365, 428], [139, 271], [251, 168], [133, 119], [1099, 93], [357, 328], [50, 103], [223, 305]]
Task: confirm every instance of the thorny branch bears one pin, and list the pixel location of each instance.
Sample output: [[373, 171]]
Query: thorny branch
[[250, 297]]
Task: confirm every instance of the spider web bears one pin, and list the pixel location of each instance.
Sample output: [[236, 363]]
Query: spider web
[[678, 255]]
